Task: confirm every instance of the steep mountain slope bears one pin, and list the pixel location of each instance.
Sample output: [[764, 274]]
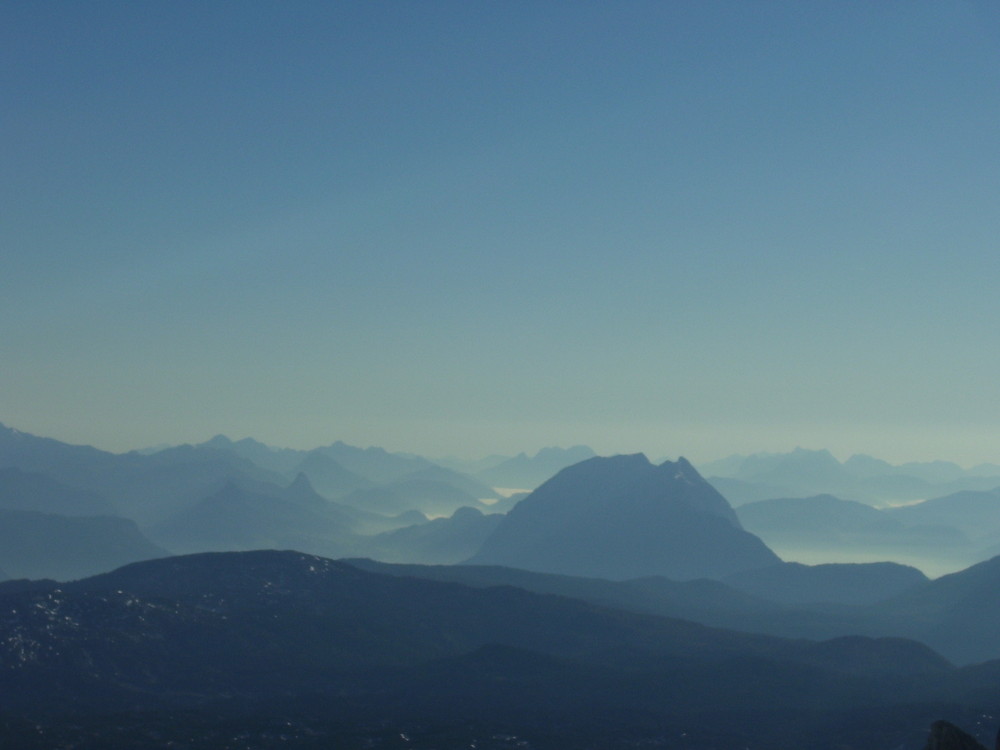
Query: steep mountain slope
[[330, 478], [145, 488], [439, 542], [623, 517], [976, 514], [42, 545], [957, 614], [235, 518], [25, 490]]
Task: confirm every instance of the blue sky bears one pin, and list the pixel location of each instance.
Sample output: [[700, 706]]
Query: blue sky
[[462, 228]]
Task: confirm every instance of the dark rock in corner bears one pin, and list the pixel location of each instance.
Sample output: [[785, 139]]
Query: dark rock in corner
[[946, 736]]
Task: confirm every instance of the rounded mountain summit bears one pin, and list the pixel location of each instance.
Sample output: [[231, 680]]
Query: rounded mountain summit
[[623, 517]]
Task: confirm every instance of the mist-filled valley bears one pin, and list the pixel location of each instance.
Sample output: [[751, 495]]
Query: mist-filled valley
[[231, 592]]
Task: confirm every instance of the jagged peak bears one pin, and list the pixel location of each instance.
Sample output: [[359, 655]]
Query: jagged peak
[[301, 482]]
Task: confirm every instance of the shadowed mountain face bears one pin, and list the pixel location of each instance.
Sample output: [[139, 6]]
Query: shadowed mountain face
[[235, 518], [812, 600], [957, 614], [24, 490], [330, 478], [145, 488], [623, 517], [40, 545], [439, 542], [977, 514]]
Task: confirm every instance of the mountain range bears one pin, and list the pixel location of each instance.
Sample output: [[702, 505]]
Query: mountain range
[[620, 603], [803, 473], [338, 656], [940, 535]]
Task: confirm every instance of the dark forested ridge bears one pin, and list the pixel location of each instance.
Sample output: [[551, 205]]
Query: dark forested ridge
[[226, 635]]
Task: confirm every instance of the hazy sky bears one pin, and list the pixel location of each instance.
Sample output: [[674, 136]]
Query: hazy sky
[[461, 228]]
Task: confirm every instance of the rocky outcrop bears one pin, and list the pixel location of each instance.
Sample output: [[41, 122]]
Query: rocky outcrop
[[946, 736]]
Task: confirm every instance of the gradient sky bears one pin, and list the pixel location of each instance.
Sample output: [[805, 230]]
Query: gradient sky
[[686, 228]]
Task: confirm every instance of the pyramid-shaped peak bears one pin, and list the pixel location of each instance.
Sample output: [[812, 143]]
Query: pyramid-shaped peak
[[301, 490], [301, 483], [621, 516]]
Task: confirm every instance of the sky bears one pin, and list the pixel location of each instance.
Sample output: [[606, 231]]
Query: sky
[[466, 228]]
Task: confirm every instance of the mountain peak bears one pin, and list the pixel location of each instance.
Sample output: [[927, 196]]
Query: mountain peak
[[622, 517], [300, 482], [301, 491]]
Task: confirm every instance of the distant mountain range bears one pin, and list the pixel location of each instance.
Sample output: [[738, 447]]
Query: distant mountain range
[[803, 473], [940, 535], [524, 472], [588, 617], [226, 495]]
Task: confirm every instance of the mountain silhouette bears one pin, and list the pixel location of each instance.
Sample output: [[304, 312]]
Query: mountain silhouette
[[977, 514], [441, 541], [280, 460], [622, 517], [25, 490], [827, 529], [524, 472], [44, 545], [804, 472], [144, 488], [235, 518], [956, 614], [330, 478]]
